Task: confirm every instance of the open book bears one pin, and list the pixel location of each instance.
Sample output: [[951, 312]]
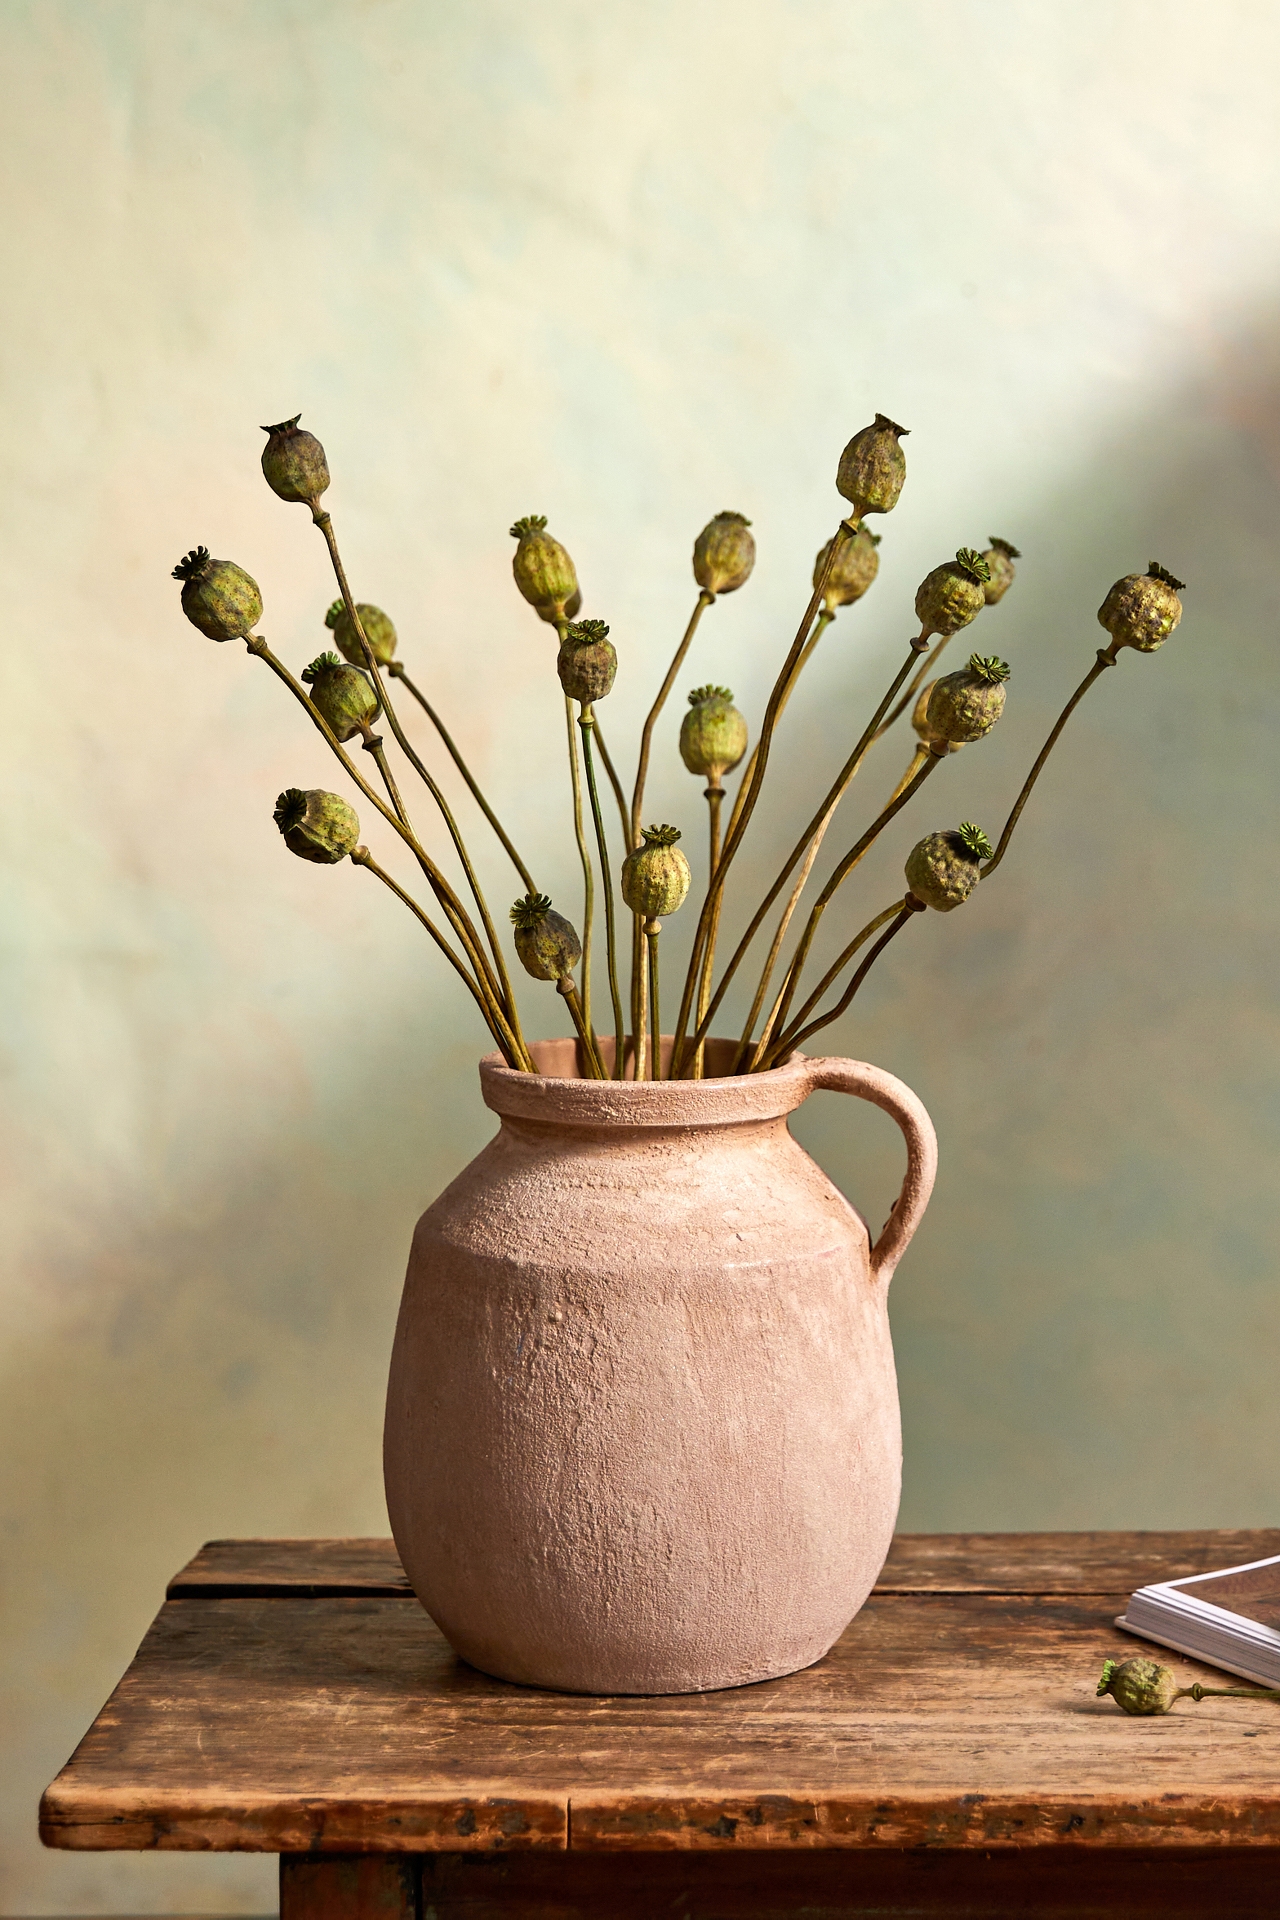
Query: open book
[[1231, 1619]]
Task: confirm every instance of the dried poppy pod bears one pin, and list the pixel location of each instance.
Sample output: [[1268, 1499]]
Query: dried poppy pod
[[586, 661], [1139, 1686], [713, 734], [378, 631], [943, 869], [953, 594], [1143, 609], [873, 467], [999, 556], [218, 596], [317, 825], [294, 463], [547, 944], [724, 554], [855, 566], [341, 695], [965, 705], [655, 877], [543, 570], [920, 721]]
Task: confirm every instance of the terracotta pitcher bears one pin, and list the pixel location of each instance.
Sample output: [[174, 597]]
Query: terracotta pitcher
[[642, 1427]]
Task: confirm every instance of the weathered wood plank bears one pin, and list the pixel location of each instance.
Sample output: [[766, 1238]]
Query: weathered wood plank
[[308, 1569], [1180, 1885], [348, 1725], [917, 1563], [1063, 1562]]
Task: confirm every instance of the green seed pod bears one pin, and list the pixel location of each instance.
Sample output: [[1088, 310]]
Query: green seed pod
[[965, 705], [218, 596], [856, 566], [586, 661], [656, 876], [1143, 609], [543, 570], [943, 870], [873, 467], [378, 631], [920, 721], [953, 594], [293, 462], [713, 734], [317, 825], [999, 557], [724, 554], [342, 695], [546, 942], [1139, 1686]]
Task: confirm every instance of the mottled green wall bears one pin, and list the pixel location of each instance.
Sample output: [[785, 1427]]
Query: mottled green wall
[[626, 266]]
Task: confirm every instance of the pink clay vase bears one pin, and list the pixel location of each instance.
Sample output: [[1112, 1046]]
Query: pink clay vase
[[642, 1428]]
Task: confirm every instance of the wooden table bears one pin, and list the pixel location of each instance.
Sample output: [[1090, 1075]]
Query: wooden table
[[948, 1757]]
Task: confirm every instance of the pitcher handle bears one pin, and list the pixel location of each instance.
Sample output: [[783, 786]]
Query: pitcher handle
[[897, 1099]]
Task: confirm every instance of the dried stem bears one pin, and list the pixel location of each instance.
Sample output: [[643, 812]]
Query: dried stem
[[926, 667], [651, 721], [453, 908], [642, 1022], [652, 928], [714, 798], [1106, 658], [820, 626], [790, 1041], [828, 979], [611, 773], [842, 872], [590, 1047], [396, 671], [834, 794], [325, 523], [587, 722], [845, 532], [493, 1020], [588, 877]]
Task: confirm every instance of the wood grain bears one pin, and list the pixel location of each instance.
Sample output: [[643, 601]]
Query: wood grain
[[917, 1563], [952, 1720]]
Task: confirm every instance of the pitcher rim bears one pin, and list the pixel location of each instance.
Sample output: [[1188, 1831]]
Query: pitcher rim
[[559, 1099]]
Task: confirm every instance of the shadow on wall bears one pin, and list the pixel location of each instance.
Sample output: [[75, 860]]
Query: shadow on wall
[[1087, 1325]]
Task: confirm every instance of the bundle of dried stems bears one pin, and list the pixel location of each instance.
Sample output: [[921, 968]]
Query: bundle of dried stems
[[346, 693]]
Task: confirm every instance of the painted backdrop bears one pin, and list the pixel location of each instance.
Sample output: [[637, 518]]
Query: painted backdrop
[[625, 266]]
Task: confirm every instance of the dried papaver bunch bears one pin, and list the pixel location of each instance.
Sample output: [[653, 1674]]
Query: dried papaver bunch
[[634, 877]]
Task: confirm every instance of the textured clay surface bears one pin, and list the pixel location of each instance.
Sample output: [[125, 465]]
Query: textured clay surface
[[642, 1425]]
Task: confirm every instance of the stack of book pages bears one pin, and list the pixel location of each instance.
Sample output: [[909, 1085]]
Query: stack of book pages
[[1230, 1619]]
